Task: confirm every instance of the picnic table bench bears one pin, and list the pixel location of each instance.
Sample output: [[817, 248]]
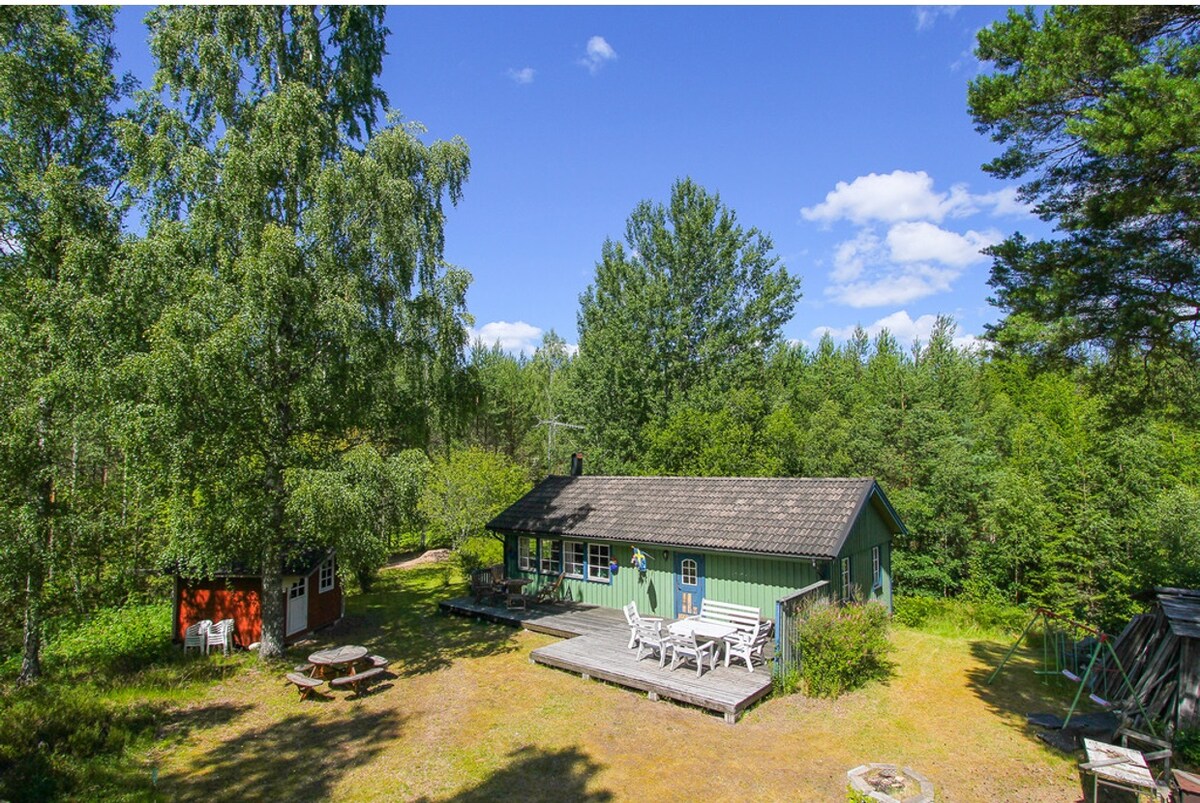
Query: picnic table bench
[[304, 684], [357, 680]]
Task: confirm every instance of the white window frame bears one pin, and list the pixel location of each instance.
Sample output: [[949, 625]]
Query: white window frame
[[547, 563], [683, 571], [326, 576], [527, 559], [569, 565], [597, 566], [876, 567], [847, 579]]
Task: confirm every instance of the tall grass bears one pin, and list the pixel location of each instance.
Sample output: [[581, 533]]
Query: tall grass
[[959, 618]]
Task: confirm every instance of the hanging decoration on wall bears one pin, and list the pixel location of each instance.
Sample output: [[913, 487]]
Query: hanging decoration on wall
[[639, 560]]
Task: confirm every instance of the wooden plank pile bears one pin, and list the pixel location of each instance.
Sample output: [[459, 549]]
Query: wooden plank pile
[[1160, 652]]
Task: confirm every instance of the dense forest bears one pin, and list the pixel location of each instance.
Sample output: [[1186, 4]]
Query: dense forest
[[279, 358]]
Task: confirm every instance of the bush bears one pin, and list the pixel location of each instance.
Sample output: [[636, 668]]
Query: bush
[[50, 734], [113, 639], [1187, 745], [959, 616], [842, 647]]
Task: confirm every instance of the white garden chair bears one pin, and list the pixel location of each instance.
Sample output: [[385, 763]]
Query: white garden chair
[[196, 635], [650, 637], [747, 645], [687, 648], [220, 635], [632, 617]]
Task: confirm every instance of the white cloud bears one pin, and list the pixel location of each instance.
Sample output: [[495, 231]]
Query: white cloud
[[897, 286], [599, 51], [904, 195], [919, 241], [913, 261], [928, 15], [901, 326], [515, 338], [512, 337], [522, 76], [891, 197]]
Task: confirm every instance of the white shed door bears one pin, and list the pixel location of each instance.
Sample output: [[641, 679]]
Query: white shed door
[[297, 606]]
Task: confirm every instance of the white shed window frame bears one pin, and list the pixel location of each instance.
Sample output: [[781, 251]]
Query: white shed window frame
[[876, 567], [326, 576], [847, 579]]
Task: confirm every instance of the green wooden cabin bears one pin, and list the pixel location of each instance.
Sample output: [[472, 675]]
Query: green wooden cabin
[[747, 540]]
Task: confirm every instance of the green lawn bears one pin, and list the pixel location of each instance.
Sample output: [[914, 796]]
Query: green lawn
[[468, 717]]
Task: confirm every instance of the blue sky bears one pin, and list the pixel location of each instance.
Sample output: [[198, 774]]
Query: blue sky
[[842, 132]]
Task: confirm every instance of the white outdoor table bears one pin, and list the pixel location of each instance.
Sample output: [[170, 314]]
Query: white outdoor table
[[704, 630], [1131, 773]]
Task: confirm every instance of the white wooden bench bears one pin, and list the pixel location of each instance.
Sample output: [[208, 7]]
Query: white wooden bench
[[305, 685], [357, 680], [745, 618]]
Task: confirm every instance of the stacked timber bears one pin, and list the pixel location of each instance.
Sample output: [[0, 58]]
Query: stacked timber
[[1160, 653]]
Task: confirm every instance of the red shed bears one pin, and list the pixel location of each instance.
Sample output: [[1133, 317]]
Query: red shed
[[312, 599]]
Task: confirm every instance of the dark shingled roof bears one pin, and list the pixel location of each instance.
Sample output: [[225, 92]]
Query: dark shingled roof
[[776, 516]]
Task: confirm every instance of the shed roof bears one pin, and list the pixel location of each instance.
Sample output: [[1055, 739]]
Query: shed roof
[[794, 516], [1182, 609]]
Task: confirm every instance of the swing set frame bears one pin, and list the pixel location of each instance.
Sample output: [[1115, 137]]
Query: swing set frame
[[1103, 642]]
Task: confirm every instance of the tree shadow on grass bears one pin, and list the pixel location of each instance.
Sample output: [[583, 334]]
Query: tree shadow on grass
[[295, 757], [1017, 689], [400, 620], [535, 774]]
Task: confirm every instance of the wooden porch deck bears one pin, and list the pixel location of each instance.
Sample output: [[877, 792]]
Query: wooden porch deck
[[596, 645]]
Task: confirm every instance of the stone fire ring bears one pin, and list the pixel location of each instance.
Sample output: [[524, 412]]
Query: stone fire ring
[[858, 782]]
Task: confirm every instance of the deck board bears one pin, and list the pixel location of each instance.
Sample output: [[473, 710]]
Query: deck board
[[596, 644]]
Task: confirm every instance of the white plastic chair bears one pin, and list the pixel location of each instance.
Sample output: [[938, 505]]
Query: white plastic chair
[[219, 635], [632, 617], [196, 635], [747, 645], [650, 637], [687, 648]]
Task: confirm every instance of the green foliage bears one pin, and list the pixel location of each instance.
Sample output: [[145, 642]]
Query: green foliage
[[466, 490], [958, 617], [687, 307], [50, 737], [1187, 746], [785, 679], [842, 647], [1097, 107], [855, 796], [114, 640]]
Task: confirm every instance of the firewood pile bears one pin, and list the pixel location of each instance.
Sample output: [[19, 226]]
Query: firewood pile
[[1160, 652]]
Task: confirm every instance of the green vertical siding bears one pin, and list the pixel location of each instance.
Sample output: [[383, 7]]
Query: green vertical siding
[[742, 579], [870, 530]]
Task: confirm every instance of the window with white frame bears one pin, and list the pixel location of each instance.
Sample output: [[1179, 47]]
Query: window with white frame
[[597, 563], [574, 554], [326, 576], [846, 579], [876, 568], [551, 556], [527, 554]]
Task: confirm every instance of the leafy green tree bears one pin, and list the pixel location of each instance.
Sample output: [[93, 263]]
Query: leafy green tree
[[691, 303], [309, 302], [466, 489], [59, 232], [1099, 109]]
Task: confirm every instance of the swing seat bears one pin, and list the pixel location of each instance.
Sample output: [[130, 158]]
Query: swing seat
[[1071, 676], [1100, 701]]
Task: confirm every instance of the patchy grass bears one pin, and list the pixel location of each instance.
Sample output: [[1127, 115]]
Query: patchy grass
[[468, 717]]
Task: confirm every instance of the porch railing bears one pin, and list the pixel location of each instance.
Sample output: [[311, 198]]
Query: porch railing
[[787, 620]]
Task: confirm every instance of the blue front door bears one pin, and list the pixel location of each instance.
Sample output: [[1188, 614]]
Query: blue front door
[[689, 584]]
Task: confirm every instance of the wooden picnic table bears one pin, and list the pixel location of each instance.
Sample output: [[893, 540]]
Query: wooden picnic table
[[333, 659]]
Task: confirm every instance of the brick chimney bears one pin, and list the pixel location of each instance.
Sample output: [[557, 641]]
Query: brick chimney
[[577, 464]]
